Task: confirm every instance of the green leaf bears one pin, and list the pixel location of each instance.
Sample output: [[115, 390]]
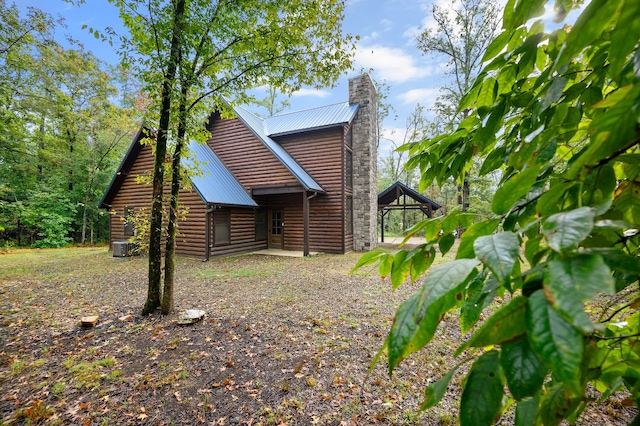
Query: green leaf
[[566, 230], [588, 27], [417, 318], [522, 368], [612, 130], [487, 94], [421, 260], [496, 46], [432, 229], [400, 269], [553, 93], [481, 401], [532, 249], [627, 200], [513, 189], [499, 252], [450, 221], [527, 411], [569, 281], [478, 229], [506, 324], [477, 300], [368, 259], [404, 330], [435, 391], [386, 263], [556, 342], [446, 242], [619, 260], [624, 36], [557, 404], [469, 99]]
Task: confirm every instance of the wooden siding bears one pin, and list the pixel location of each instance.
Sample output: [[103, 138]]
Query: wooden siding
[[291, 206], [190, 240], [320, 154], [242, 234], [246, 157]]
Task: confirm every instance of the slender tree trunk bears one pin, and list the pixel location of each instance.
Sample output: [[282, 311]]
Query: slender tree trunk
[[172, 227], [155, 232], [84, 211]]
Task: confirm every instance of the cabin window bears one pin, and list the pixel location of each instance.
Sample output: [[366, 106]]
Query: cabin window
[[261, 224], [349, 169], [128, 222], [349, 214], [349, 138], [221, 227]]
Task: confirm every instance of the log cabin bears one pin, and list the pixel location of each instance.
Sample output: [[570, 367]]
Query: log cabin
[[303, 181]]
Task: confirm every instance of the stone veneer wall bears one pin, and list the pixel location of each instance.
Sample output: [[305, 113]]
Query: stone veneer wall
[[365, 178]]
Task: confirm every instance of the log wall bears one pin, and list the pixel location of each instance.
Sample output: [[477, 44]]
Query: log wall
[[321, 155], [190, 240], [246, 157]]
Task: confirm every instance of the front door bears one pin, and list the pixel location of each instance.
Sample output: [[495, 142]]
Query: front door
[[276, 229]]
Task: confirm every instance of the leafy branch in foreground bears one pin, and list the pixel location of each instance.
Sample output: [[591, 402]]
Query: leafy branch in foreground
[[559, 113]]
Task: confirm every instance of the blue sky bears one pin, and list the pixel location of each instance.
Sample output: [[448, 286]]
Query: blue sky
[[387, 31]]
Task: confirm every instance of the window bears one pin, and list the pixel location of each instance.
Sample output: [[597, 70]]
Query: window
[[349, 169], [349, 214], [221, 227], [276, 222], [349, 138], [128, 222], [261, 224]]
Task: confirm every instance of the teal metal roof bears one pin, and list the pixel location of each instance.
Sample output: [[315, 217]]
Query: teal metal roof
[[215, 183], [314, 118], [256, 124]]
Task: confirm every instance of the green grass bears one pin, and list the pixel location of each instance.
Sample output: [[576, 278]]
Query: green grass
[[227, 273], [38, 263]]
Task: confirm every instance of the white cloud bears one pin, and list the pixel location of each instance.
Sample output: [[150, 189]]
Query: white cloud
[[311, 92], [391, 64], [412, 33], [369, 38], [386, 24], [425, 97]]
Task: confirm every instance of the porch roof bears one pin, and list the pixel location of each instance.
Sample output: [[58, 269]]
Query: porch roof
[[214, 182], [393, 193]]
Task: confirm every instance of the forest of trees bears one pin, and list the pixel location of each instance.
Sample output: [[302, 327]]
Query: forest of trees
[[65, 121]]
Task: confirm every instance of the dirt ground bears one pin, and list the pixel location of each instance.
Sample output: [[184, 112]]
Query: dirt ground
[[285, 341]]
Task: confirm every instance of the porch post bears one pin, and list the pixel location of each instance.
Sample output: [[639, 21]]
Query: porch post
[[207, 233], [305, 214], [382, 226]]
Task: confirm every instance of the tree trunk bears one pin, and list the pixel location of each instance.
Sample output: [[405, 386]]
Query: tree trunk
[[172, 227], [155, 232], [84, 212]]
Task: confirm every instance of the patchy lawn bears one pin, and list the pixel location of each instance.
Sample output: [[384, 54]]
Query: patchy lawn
[[285, 341]]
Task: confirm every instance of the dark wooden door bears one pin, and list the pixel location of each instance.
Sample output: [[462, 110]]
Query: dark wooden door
[[276, 229]]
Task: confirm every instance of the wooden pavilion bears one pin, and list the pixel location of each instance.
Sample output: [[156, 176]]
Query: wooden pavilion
[[395, 198]]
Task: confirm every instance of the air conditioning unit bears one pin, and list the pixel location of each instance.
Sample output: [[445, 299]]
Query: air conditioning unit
[[123, 249]]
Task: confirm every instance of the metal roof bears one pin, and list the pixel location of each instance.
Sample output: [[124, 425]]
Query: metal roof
[[395, 191], [314, 118], [215, 183], [256, 124]]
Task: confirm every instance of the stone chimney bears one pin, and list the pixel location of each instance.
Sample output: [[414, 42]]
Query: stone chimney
[[365, 177]]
